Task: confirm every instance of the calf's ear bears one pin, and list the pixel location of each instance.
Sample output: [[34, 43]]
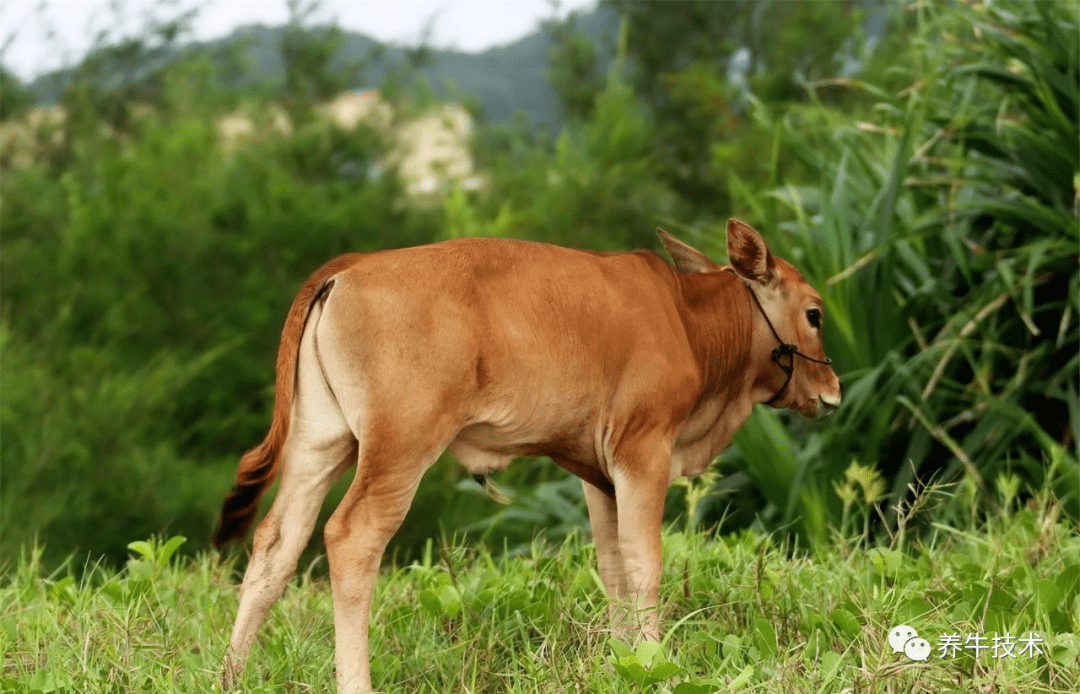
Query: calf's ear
[[687, 259], [748, 253]]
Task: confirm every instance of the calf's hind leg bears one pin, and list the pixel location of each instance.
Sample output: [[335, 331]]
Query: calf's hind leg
[[280, 538], [317, 450], [356, 536]]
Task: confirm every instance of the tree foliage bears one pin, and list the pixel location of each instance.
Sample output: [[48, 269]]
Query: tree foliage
[[575, 72], [15, 99], [917, 162]]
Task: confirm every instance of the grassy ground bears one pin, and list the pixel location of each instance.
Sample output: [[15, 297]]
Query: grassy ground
[[739, 614]]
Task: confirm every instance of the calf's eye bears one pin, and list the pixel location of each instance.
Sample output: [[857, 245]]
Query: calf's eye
[[814, 317]]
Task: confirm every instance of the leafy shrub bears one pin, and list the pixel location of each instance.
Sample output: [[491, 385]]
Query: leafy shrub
[[145, 280], [944, 239]]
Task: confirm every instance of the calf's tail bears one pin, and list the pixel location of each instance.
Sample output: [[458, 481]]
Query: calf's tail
[[259, 467]]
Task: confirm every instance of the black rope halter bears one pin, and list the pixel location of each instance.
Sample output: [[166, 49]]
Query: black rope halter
[[785, 349]]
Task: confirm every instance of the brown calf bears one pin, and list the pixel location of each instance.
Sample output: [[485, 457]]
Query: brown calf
[[625, 371]]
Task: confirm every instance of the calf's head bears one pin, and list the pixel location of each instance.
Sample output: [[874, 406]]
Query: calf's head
[[791, 308], [790, 316]]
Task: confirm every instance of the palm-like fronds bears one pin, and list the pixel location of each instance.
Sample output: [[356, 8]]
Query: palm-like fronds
[[945, 238]]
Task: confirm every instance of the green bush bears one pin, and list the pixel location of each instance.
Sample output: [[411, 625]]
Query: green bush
[[146, 278], [944, 239]]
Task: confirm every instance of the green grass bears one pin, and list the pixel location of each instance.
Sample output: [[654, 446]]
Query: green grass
[[739, 613], [937, 216]]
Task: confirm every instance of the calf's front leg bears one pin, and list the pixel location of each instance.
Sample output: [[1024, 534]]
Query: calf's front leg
[[603, 518], [640, 493]]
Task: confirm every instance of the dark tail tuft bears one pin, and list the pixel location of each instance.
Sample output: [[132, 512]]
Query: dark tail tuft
[[257, 472], [259, 466]]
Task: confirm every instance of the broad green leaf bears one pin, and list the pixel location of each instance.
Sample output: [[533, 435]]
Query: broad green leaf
[[450, 600], [732, 647], [741, 679], [647, 651], [830, 664], [846, 622], [620, 649], [143, 548], [1068, 582], [692, 688], [519, 600], [1048, 594], [664, 671], [483, 599], [431, 602], [815, 645], [887, 561], [169, 549], [632, 671], [765, 638]]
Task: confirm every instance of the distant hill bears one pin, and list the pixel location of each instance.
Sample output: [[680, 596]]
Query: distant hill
[[504, 79]]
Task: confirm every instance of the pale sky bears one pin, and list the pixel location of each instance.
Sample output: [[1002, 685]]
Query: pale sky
[[38, 36]]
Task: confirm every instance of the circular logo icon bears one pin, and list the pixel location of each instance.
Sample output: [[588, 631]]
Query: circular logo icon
[[899, 636], [917, 649]]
